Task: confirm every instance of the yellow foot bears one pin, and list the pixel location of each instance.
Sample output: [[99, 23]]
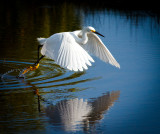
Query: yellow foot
[[34, 67], [30, 68]]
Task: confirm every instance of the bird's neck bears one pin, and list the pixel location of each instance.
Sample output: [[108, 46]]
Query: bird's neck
[[84, 37]]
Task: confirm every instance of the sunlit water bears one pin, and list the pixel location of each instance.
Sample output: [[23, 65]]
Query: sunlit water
[[103, 99]]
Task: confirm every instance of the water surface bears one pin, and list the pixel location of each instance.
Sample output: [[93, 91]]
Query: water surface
[[103, 99]]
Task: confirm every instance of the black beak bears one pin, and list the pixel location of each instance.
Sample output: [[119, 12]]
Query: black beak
[[99, 34]]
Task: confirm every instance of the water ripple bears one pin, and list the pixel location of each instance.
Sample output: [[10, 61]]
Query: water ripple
[[46, 76]]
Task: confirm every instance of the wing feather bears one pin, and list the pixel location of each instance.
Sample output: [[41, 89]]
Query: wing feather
[[63, 57], [79, 64], [74, 61], [82, 61], [66, 52], [96, 47], [60, 56]]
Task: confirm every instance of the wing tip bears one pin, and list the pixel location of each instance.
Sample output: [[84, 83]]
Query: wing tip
[[118, 66]]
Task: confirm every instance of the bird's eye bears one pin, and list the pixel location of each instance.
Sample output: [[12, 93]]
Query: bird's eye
[[93, 31]]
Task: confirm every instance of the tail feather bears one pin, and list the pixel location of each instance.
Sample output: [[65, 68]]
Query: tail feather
[[41, 40]]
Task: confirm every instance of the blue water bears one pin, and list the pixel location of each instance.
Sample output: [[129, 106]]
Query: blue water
[[129, 97]]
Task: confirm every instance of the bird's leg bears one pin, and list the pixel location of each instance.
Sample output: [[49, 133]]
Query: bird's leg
[[39, 46], [36, 64], [34, 67], [38, 60]]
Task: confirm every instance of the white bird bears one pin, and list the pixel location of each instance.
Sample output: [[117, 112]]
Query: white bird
[[70, 49]]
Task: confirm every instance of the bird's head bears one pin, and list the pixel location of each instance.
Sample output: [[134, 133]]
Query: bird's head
[[92, 30]]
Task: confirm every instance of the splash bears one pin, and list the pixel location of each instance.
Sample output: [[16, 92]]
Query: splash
[[25, 70], [10, 71], [22, 72]]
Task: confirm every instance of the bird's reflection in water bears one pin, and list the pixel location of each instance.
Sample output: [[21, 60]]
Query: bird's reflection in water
[[69, 113], [75, 114], [79, 114]]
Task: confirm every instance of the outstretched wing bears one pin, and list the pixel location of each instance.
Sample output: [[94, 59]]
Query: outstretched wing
[[96, 47], [66, 52]]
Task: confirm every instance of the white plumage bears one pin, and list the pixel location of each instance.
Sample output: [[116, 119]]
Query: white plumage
[[70, 49]]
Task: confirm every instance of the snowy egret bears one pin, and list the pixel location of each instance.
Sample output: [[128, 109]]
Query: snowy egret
[[70, 49]]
